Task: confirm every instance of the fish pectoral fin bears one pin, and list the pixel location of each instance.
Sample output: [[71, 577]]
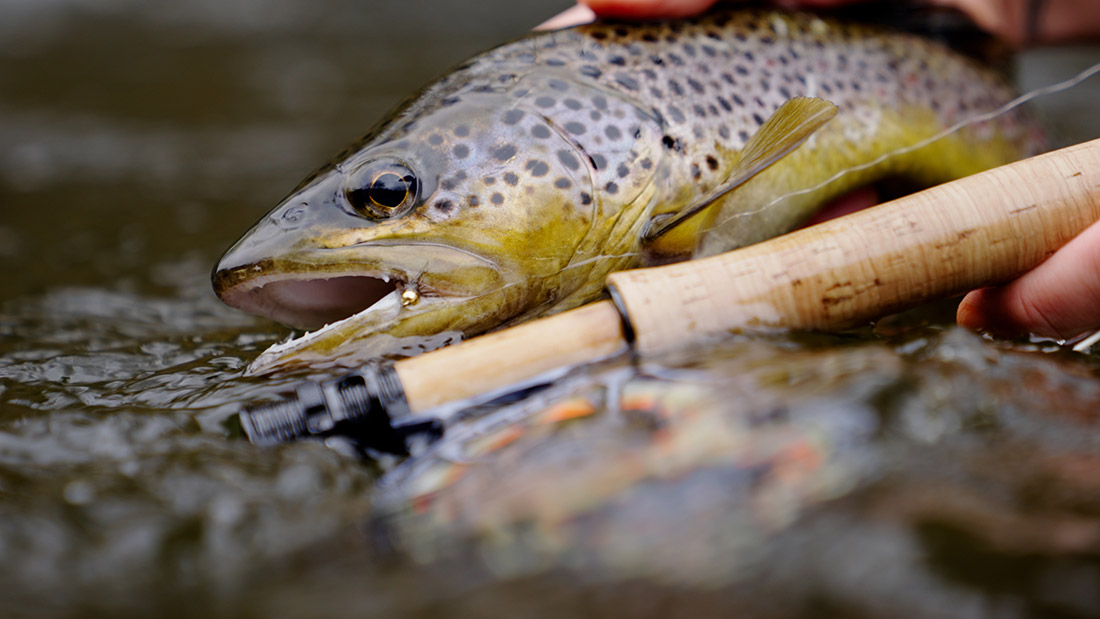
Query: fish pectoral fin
[[791, 125]]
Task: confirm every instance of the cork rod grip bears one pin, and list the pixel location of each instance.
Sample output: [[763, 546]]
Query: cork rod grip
[[978, 231]]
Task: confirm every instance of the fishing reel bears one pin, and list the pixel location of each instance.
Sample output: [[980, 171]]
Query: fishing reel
[[366, 406]]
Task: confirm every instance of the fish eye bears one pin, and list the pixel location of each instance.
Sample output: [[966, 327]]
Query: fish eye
[[383, 191]]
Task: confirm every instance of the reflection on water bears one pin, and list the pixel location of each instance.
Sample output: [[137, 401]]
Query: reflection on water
[[138, 139]]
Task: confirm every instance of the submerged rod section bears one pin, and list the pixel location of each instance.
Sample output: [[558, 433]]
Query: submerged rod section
[[978, 231]]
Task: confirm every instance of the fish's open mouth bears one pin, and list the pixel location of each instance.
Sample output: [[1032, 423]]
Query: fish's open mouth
[[310, 303]]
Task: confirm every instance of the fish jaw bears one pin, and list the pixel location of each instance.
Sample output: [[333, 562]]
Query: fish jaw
[[388, 329]]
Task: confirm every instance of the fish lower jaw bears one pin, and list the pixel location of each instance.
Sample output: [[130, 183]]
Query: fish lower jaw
[[388, 306]]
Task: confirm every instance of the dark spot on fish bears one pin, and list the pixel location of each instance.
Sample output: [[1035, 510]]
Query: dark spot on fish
[[612, 132], [626, 82], [448, 184], [611, 188], [709, 51], [657, 60], [497, 198], [595, 115], [513, 116], [572, 104], [473, 201], [540, 131], [725, 104], [636, 132], [461, 151], [649, 37], [724, 132], [444, 206], [590, 71], [525, 57], [586, 198], [409, 125], [743, 135], [741, 70], [599, 35], [623, 171], [766, 40], [699, 111], [689, 49], [695, 171], [714, 35], [712, 110], [504, 153], [489, 180], [562, 183], [649, 74], [675, 87], [554, 62], [675, 114], [738, 100], [462, 131], [765, 84], [598, 161], [646, 163], [617, 61], [712, 163], [511, 178], [545, 102], [676, 60], [784, 92], [575, 127], [558, 85], [449, 101], [568, 160], [537, 167], [435, 139], [600, 102]]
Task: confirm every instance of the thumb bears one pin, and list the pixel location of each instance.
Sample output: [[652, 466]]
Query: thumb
[[1060, 298]]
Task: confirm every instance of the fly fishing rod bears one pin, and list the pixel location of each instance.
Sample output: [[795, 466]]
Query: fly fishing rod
[[978, 231]]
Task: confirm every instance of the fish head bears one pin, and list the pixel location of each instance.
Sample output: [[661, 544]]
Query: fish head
[[460, 212]]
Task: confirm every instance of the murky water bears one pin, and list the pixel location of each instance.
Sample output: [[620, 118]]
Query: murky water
[[138, 139]]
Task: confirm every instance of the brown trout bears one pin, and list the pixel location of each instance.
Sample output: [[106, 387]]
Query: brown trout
[[512, 186]]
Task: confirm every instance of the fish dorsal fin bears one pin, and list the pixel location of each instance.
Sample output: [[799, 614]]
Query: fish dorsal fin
[[786, 129]]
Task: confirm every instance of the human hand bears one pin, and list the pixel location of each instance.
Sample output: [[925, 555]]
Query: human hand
[[1018, 21], [1060, 298]]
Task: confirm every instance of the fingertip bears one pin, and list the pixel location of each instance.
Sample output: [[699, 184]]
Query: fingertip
[[968, 314], [647, 9]]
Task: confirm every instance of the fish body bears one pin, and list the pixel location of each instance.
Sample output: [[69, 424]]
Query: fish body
[[511, 187]]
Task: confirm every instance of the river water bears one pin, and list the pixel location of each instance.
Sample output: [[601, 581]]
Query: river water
[[956, 476]]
